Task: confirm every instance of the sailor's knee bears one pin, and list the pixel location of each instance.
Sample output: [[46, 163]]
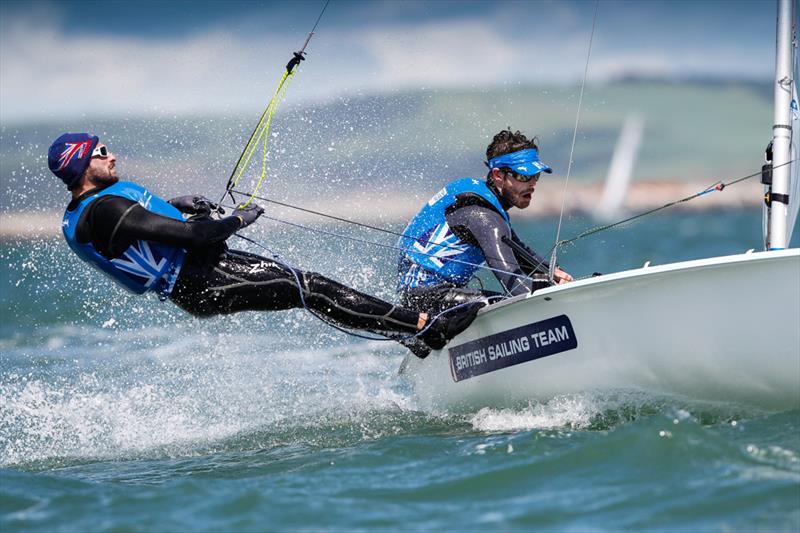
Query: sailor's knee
[[315, 282]]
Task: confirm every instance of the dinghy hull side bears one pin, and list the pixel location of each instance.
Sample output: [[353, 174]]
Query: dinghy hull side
[[721, 329]]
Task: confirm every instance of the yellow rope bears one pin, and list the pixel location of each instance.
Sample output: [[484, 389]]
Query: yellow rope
[[263, 131], [263, 127]]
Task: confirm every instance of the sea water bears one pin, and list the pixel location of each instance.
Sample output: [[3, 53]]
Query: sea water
[[122, 413]]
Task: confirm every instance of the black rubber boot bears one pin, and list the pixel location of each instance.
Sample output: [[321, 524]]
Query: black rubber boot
[[449, 324], [417, 347]]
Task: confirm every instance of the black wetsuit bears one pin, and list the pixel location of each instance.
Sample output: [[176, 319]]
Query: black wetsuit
[[474, 220], [215, 280]]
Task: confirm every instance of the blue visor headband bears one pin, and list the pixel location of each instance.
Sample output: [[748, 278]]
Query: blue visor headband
[[525, 162]]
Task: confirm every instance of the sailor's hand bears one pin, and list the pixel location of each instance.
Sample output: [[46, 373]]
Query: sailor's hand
[[204, 207], [195, 205], [561, 277], [247, 214], [185, 204]]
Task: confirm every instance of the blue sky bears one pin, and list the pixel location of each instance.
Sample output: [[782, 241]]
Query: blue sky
[[81, 58]]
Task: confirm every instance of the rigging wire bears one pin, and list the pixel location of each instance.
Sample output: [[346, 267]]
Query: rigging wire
[[262, 128], [382, 230], [717, 186], [554, 252], [381, 245]]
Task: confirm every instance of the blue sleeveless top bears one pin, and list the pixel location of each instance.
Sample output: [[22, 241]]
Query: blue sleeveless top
[[432, 254], [145, 265]]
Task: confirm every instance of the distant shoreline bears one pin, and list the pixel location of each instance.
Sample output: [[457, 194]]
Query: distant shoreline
[[547, 203]]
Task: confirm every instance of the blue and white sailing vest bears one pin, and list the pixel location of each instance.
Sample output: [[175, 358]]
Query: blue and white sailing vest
[[145, 265], [432, 253]]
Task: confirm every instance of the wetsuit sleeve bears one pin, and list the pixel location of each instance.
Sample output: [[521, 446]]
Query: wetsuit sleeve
[[113, 223], [486, 228]]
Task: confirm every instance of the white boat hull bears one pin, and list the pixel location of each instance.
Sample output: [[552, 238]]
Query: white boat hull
[[721, 329]]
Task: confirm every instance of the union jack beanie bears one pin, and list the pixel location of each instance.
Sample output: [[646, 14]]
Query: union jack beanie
[[69, 155]]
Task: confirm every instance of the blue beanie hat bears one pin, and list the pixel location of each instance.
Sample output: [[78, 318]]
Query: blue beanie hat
[[70, 155]]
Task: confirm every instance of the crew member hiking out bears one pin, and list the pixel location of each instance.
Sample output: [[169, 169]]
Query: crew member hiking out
[[466, 225], [176, 249]]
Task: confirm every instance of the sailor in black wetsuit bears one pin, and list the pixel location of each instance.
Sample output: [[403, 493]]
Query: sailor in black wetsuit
[[466, 225], [177, 250]]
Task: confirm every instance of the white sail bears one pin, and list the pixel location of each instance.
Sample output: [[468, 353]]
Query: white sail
[[620, 171]]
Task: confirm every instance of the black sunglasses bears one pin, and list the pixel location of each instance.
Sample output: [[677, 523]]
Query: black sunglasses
[[522, 177]]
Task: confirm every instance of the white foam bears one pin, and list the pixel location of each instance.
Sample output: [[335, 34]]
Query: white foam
[[131, 397], [574, 411]]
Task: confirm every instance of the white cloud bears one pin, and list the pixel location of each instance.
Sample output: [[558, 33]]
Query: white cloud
[[46, 73], [452, 54]]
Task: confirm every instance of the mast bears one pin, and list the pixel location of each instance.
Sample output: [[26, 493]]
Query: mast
[[778, 195]]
